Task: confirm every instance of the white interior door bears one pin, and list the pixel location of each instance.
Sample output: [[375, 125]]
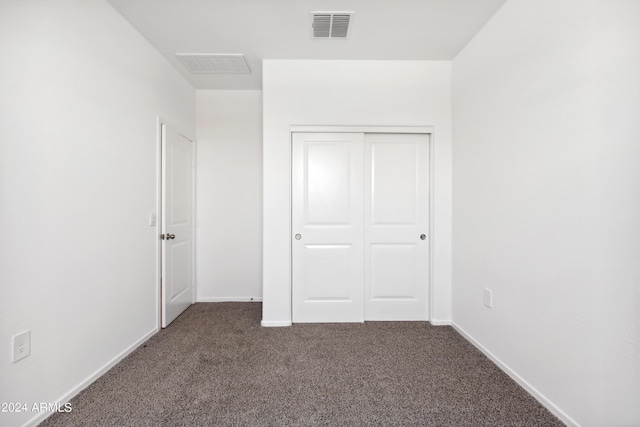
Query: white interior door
[[396, 226], [327, 227], [177, 218]]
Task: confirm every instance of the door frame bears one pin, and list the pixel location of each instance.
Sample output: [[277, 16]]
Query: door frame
[[158, 227], [428, 130]]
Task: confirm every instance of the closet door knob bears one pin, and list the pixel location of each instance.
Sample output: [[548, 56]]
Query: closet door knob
[[423, 236]]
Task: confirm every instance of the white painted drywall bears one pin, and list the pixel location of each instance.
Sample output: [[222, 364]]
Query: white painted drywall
[[382, 93], [229, 233], [546, 158], [81, 90]]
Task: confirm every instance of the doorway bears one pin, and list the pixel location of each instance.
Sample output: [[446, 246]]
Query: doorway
[[360, 226]]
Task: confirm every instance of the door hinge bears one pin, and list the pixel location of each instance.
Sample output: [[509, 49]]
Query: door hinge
[[162, 237]]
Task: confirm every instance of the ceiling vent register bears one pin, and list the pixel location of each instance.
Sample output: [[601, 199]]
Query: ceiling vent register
[[331, 25], [210, 63]]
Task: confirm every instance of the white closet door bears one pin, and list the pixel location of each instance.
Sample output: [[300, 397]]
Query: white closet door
[[327, 227], [396, 215]]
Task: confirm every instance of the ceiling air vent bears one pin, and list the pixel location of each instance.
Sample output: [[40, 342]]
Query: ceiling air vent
[[331, 25], [212, 63]]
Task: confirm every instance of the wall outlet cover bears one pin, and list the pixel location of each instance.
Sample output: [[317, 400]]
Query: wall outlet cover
[[488, 298], [21, 345]]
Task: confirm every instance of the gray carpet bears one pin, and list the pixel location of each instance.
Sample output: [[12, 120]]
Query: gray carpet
[[215, 366]]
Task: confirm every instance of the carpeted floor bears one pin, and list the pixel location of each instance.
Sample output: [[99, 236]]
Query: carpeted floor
[[215, 366]]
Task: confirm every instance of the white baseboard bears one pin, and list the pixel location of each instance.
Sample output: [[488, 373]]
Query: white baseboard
[[91, 378], [228, 299], [275, 323], [438, 322], [544, 401]]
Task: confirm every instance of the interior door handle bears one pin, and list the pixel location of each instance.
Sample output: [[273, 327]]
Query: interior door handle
[[168, 236], [423, 236]]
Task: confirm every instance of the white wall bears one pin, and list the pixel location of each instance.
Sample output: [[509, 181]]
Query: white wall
[[384, 93], [229, 233], [546, 107], [80, 94]]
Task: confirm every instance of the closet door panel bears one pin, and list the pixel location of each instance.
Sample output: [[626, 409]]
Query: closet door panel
[[396, 226], [327, 227]]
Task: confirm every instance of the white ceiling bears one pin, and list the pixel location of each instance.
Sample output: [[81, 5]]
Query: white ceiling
[[279, 29]]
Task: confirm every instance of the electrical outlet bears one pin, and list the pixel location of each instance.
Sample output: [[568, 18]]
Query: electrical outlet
[[488, 298], [21, 345]]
